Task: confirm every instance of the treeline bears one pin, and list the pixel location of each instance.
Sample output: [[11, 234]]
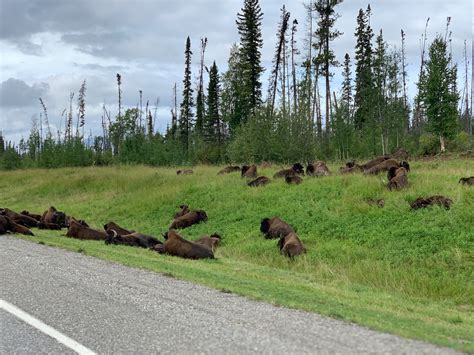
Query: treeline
[[301, 116]]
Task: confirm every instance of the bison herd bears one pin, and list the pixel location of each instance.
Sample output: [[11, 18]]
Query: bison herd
[[174, 244]]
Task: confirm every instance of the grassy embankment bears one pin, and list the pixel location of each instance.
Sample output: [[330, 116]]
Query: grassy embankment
[[391, 269]]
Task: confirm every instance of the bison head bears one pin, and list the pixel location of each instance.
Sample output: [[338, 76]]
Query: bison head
[[265, 225], [298, 168], [405, 165], [112, 237]]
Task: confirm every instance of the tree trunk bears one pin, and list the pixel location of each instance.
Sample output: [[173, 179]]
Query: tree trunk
[[442, 144]]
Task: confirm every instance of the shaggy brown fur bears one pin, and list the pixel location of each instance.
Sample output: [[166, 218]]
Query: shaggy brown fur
[[19, 218], [400, 154], [296, 169], [176, 245], [380, 202], [51, 226], [349, 170], [291, 245], [134, 239], [249, 171], [190, 218], [467, 180], [34, 216], [318, 168], [260, 181], [78, 231], [229, 169], [275, 227], [80, 221], [184, 209], [53, 216], [374, 162], [210, 241], [8, 225], [397, 178], [184, 172], [112, 226], [296, 180], [385, 166], [421, 202]]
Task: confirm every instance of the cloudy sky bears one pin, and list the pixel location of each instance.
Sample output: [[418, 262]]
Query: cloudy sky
[[48, 47]]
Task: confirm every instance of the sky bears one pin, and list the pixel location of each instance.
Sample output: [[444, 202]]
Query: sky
[[48, 47]]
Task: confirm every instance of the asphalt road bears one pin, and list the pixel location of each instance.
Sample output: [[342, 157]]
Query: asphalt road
[[110, 308]]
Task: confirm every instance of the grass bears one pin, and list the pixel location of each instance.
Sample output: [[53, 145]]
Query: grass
[[390, 269]]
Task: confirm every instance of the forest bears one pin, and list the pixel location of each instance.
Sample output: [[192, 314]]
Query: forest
[[228, 117]]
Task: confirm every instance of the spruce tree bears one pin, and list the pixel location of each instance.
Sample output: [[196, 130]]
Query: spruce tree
[[186, 114], [249, 23], [212, 124], [440, 99], [347, 81]]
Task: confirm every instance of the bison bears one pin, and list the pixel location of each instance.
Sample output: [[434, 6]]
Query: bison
[[8, 225], [318, 168], [260, 181], [176, 245], [296, 180], [112, 226], [134, 239], [400, 154], [421, 202], [248, 171], [78, 231], [397, 178], [371, 163], [296, 169], [53, 216], [211, 241], [184, 209], [19, 218], [229, 169], [275, 227], [32, 215], [184, 172], [291, 246], [385, 166], [467, 180], [190, 218]]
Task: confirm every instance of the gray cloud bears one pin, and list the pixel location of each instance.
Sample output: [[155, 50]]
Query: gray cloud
[[17, 93]]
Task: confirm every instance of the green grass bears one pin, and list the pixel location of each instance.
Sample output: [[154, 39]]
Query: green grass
[[391, 269]]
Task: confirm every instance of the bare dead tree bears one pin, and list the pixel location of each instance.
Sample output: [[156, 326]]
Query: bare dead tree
[[119, 82], [404, 75], [418, 114], [294, 51], [141, 109], [81, 104], [46, 120]]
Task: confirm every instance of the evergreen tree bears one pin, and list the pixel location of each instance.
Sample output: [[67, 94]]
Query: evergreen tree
[[2, 143], [363, 71], [440, 99], [186, 114], [347, 81], [213, 123], [200, 99], [249, 23]]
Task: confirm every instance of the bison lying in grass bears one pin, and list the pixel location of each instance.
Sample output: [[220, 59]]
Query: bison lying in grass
[[385, 166], [422, 202], [260, 181], [295, 180], [211, 241], [467, 180], [19, 218], [183, 210], [78, 231], [52, 218], [296, 169], [184, 172], [229, 169], [249, 171], [176, 245], [134, 239], [275, 228], [112, 226], [397, 178], [351, 167], [291, 245], [318, 168], [37, 217], [190, 218], [8, 225]]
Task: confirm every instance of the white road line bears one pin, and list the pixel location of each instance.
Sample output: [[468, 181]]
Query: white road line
[[46, 329]]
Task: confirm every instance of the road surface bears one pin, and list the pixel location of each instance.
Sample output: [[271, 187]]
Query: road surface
[[109, 308]]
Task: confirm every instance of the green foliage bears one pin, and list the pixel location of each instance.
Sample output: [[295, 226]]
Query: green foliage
[[392, 269]]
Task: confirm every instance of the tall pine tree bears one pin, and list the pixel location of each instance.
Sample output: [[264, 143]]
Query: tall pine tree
[[213, 127], [186, 114]]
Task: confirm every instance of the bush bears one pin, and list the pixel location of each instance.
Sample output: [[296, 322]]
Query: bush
[[429, 144]]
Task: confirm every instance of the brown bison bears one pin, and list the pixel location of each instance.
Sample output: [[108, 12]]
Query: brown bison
[[467, 180], [441, 201], [296, 169], [385, 166], [19, 218], [184, 172], [183, 210], [71, 218], [112, 226], [350, 167], [400, 154], [248, 171], [8, 225], [78, 231], [397, 178], [260, 181], [291, 246], [53, 216], [32, 215], [296, 180], [318, 168], [275, 228], [211, 241], [190, 218], [229, 169], [134, 239], [374, 162], [176, 245]]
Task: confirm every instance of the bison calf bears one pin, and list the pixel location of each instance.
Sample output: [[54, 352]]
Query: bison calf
[[291, 245], [296, 180], [190, 218], [210, 241], [441, 201], [275, 227], [397, 178], [249, 171], [260, 181]]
